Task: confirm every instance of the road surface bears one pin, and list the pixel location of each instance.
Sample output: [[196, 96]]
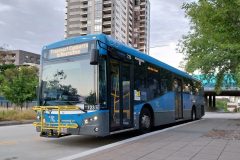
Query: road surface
[[22, 142]]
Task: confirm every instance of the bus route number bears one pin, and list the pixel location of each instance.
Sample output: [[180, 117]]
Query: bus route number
[[90, 107]]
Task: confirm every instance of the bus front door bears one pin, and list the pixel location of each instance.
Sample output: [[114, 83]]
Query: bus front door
[[121, 115]]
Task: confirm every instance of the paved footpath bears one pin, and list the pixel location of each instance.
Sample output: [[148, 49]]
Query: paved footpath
[[216, 137]]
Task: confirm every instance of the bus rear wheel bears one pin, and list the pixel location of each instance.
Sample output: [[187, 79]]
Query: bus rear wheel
[[145, 121]]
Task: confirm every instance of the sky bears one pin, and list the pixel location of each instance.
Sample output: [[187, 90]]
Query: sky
[[30, 24]]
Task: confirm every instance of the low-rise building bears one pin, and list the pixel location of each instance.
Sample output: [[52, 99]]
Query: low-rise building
[[18, 57]]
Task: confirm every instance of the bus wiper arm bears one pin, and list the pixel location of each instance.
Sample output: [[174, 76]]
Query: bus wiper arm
[[85, 111]]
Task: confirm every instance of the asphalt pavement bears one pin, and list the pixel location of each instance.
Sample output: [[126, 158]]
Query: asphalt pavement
[[22, 142]]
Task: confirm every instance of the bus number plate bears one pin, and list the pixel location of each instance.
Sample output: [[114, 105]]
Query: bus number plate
[[90, 107]]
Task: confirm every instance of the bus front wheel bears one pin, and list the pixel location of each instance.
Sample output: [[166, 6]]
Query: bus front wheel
[[145, 121]]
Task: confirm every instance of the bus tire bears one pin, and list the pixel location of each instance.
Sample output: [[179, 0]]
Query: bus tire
[[193, 115], [145, 121]]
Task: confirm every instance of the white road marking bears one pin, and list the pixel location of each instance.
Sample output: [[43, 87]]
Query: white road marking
[[83, 154]]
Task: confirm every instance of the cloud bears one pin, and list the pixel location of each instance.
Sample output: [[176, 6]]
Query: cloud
[[5, 7], [2, 23], [31, 21], [168, 23], [30, 33], [168, 54]]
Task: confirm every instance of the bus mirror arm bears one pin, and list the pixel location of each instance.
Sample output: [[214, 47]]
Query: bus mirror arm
[[94, 57]]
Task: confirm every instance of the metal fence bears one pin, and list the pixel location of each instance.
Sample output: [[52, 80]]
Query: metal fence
[[6, 104]]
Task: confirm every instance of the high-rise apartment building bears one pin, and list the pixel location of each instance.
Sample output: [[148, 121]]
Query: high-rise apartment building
[[141, 32], [112, 17]]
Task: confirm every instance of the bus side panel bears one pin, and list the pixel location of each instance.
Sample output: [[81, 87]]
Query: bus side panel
[[187, 106], [137, 110], [164, 109], [199, 106]]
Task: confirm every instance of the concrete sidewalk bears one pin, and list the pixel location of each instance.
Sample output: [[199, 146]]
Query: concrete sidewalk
[[208, 139]]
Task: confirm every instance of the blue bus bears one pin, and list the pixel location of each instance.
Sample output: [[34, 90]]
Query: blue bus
[[95, 85]]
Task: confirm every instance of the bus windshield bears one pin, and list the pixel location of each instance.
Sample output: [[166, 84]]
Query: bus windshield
[[68, 81]]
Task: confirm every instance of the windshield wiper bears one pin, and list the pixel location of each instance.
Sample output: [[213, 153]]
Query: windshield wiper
[[85, 111]]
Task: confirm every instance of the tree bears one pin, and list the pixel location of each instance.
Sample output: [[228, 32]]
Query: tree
[[2, 69], [5, 67], [19, 84], [213, 44]]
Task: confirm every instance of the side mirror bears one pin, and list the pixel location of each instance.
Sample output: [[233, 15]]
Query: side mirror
[[94, 57]]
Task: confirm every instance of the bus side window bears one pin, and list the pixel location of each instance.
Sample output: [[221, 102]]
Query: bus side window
[[187, 87], [153, 82], [140, 78], [163, 86]]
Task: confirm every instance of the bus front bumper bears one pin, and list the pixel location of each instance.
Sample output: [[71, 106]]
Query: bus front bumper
[[61, 128]]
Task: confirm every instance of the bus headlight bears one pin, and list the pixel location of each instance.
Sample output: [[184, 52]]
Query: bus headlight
[[88, 120]]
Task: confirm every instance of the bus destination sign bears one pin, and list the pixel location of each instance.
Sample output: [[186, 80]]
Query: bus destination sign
[[68, 51]]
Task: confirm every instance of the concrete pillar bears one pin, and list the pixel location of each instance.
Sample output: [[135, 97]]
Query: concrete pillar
[[214, 102], [206, 100], [210, 102]]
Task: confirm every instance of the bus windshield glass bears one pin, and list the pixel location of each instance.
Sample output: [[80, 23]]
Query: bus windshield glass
[[68, 80]]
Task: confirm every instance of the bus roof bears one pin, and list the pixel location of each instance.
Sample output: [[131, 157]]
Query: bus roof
[[119, 46]]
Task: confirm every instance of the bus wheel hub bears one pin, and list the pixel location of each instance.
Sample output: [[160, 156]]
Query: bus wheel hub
[[145, 121]]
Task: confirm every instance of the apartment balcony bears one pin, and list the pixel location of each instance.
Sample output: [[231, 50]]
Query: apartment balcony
[[142, 43], [73, 19], [73, 7], [142, 16], [84, 6], [107, 17], [130, 34], [107, 23], [130, 22], [142, 38], [84, 13], [143, 11], [107, 3], [107, 10], [142, 27], [131, 7], [83, 26], [141, 48], [10, 58], [107, 31], [143, 4], [130, 39], [83, 32], [130, 28], [83, 19], [74, 13]]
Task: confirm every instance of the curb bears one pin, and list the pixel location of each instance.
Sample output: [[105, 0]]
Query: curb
[[10, 123]]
